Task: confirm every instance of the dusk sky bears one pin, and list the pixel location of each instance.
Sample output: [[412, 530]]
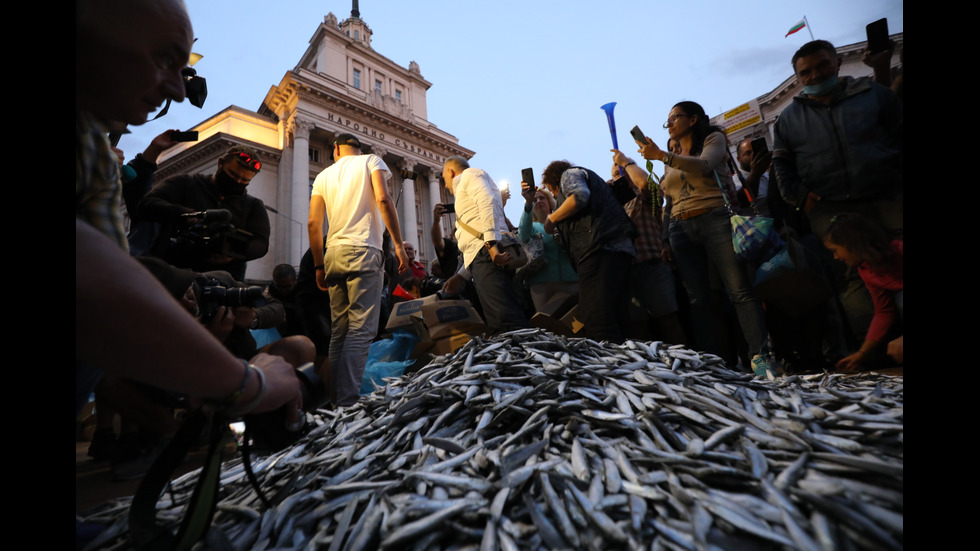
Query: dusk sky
[[521, 83]]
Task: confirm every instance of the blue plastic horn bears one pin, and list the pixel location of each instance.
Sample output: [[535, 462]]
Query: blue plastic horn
[[608, 108]]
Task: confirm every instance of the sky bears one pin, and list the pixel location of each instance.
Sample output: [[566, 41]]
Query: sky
[[522, 83]]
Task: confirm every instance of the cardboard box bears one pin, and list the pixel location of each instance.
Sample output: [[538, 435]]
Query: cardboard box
[[571, 319], [449, 344], [403, 312], [436, 320], [445, 318], [552, 324]]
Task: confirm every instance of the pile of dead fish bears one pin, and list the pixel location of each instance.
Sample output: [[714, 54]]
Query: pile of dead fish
[[533, 441]]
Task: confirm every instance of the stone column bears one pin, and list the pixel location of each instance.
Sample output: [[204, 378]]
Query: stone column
[[407, 217], [435, 197], [435, 190], [299, 239]]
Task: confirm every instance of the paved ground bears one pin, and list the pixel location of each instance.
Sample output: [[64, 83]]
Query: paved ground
[[93, 481]]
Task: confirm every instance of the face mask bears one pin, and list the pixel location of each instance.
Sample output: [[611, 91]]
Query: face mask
[[228, 185], [822, 88]]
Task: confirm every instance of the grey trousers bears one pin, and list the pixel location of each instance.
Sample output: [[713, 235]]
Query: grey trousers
[[356, 278]]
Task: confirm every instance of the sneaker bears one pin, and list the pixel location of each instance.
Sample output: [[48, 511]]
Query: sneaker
[[762, 367]]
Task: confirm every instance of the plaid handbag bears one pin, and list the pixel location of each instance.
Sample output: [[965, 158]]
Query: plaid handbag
[[754, 238]]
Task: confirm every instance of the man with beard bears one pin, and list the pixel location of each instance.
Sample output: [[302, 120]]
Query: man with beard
[[218, 240]]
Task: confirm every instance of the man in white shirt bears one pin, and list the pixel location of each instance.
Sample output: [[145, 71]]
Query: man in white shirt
[[352, 195], [479, 206]]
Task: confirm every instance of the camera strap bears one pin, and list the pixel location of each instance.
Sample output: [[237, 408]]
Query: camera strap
[[144, 530]]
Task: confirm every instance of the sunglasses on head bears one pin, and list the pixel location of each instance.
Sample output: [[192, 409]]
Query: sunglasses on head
[[248, 161]]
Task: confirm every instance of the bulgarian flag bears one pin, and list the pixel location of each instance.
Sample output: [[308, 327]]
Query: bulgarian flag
[[798, 27]]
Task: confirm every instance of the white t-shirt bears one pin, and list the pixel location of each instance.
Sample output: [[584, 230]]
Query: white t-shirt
[[352, 214]]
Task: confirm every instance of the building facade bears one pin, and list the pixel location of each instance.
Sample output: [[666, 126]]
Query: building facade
[[339, 85]]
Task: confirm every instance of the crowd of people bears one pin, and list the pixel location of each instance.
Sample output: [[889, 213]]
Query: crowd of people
[[658, 259], [640, 255]]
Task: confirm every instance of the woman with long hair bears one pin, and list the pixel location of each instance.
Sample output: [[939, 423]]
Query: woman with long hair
[[699, 230], [879, 259]]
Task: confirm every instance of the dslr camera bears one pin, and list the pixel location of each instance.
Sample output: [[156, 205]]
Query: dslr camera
[[211, 294]]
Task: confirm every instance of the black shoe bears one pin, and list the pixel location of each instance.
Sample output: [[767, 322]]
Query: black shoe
[[103, 444]]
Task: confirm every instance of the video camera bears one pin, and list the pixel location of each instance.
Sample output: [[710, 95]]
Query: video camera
[[211, 294], [211, 233]]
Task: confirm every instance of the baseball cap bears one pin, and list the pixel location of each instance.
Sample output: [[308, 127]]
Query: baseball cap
[[347, 139]]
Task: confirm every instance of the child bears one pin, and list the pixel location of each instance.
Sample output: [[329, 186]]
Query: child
[[861, 244]]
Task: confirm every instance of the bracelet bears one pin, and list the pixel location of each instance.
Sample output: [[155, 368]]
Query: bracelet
[[237, 396], [628, 164], [242, 410]]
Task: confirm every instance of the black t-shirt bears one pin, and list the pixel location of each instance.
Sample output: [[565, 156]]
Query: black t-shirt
[[449, 259]]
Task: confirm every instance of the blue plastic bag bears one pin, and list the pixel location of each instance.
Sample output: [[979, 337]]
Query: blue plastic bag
[[265, 336], [375, 373], [388, 358]]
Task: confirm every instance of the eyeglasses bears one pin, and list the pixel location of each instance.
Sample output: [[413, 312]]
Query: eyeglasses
[[248, 161], [672, 118]]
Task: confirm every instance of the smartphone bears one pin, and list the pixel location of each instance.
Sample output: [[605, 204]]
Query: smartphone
[[759, 146], [189, 136], [450, 208], [527, 176], [638, 135], [877, 35]]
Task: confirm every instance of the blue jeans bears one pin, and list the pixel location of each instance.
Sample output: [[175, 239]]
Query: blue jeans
[[700, 244], [356, 278], [498, 297]]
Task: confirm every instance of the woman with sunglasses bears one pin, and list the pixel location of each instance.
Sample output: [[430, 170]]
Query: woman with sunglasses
[[699, 230]]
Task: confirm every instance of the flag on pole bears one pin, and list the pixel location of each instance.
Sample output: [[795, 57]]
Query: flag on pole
[[798, 27]]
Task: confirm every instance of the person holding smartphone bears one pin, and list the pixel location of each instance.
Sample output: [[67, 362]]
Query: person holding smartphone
[[700, 232], [557, 281]]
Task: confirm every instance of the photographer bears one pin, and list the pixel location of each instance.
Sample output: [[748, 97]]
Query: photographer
[[127, 326], [218, 240], [227, 309], [230, 309]]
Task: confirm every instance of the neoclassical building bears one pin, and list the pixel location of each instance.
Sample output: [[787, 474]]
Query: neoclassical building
[[339, 85]]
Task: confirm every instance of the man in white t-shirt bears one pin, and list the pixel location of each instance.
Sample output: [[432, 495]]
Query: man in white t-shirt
[[352, 195]]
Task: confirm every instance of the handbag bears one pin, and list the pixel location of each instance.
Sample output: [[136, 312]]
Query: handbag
[[508, 243], [754, 238], [536, 260]]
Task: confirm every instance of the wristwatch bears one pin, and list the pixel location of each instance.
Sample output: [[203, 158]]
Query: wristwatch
[[491, 244]]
